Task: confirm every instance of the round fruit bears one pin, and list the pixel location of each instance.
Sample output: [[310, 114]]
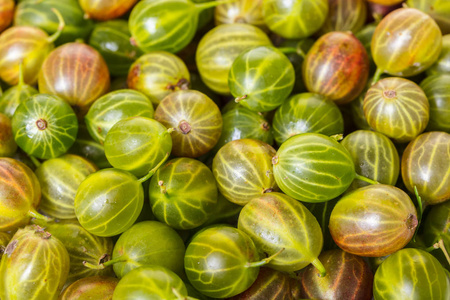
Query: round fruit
[[442, 64], [219, 48], [267, 88], [435, 228], [241, 11], [196, 120], [397, 107], [108, 202], [183, 193], [438, 9], [148, 243], [426, 165], [158, 74], [263, 219], [59, 179], [374, 156], [95, 287], [34, 266], [243, 170], [391, 42], [151, 282], [337, 66], [373, 221], [113, 107], [6, 13], [137, 145], [103, 10], [307, 112], [437, 90], [312, 167], [348, 277], [112, 40], [7, 144], [44, 126], [345, 15], [77, 73], [295, 19], [411, 274]]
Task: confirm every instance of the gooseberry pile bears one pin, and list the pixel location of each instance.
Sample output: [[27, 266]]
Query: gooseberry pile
[[224, 149]]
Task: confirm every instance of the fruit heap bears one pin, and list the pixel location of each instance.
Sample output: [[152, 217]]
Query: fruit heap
[[224, 149]]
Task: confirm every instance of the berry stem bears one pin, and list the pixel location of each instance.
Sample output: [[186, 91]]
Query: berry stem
[[368, 180], [377, 76], [101, 266], [153, 171], [264, 261], [319, 266], [35, 161], [420, 205], [34, 214], [61, 25]]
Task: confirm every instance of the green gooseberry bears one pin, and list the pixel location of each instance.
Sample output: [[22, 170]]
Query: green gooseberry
[[112, 40], [34, 265], [313, 167], [222, 261], [436, 229], [263, 219], [8, 145], [83, 247], [150, 282], [113, 107], [167, 25], [44, 126], [307, 112], [89, 288], [411, 274], [109, 201], [148, 243], [374, 156], [261, 78], [183, 193], [59, 179], [137, 145], [442, 64], [437, 90], [243, 170]]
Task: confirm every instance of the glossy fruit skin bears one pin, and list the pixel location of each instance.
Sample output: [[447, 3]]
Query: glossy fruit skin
[[219, 48], [411, 274], [348, 277], [396, 55], [13, 96], [108, 202], [196, 120], [271, 284], [149, 243], [307, 112], [113, 107], [437, 9], [34, 266], [95, 287], [151, 282], [112, 40], [241, 11], [397, 107], [77, 73], [436, 227], [337, 66], [373, 221], [103, 10], [374, 156], [44, 126], [266, 89], [345, 15], [137, 145], [295, 19], [167, 25], [158, 74], [183, 193], [4, 240], [243, 170], [442, 64], [82, 246], [20, 193], [59, 179], [7, 144], [39, 14], [437, 90], [6, 13], [263, 219], [216, 261], [25, 44], [312, 167], [240, 122], [425, 164]]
